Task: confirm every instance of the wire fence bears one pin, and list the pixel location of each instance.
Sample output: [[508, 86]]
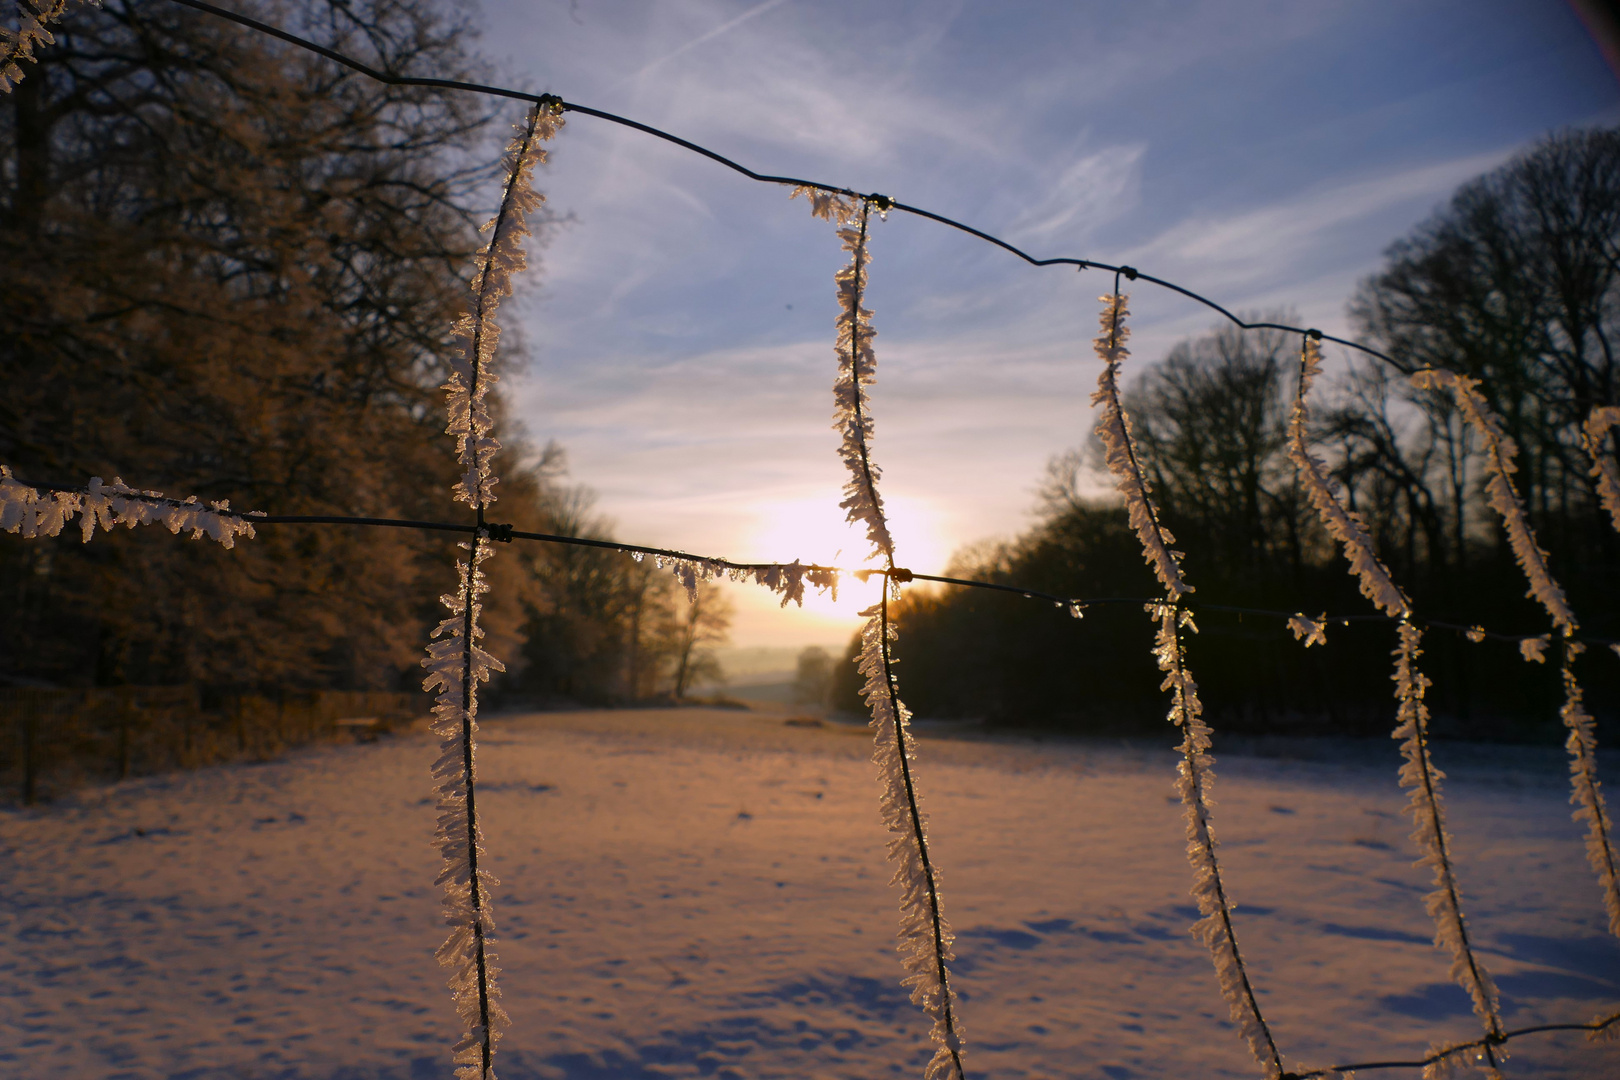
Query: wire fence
[[457, 664]]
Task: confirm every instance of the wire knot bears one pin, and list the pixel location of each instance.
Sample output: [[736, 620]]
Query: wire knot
[[883, 203], [1314, 334], [499, 533], [552, 104], [899, 574], [1129, 272]]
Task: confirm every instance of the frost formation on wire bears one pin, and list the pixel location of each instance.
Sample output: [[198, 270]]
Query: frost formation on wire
[[1420, 777], [1195, 773], [472, 370], [1585, 791], [1418, 774], [455, 662], [1500, 492], [787, 580], [33, 28], [1345, 526], [36, 512], [1309, 630], [1604, 469], [857, 369], [924, 936], [1119, 451], [456, 665]]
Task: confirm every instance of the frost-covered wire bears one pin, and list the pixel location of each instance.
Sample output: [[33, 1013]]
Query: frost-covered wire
[[472, 373], [1195, 773], [1604, 469], [1500, 492], [1585, 790], [925, 936], [857, 369], [1421, 779], [34, 18], [1586, 793], [1342, 524], [1119, 451], [456, 665], [787, 580], [455, 662], [35, 512], [1418, 774]]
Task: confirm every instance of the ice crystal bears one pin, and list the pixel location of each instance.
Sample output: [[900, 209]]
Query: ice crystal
[[1476, 634], [33, 29], [828, 205], [1534, 649], [36, 512], [1604, 469], [1343, 525], [1119, 451], [1309, 630], [1422, 780]]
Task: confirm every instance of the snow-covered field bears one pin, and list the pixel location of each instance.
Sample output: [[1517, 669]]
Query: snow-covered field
[[702, 893]]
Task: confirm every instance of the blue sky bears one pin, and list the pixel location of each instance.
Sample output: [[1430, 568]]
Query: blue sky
[[679, 327]]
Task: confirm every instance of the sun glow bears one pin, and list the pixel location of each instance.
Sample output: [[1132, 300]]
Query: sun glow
[[813, 530]]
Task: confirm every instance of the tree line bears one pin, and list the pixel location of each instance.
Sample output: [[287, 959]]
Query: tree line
[[1515, 282], [230, 269]]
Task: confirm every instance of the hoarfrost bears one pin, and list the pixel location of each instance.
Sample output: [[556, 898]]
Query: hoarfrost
[[1585, 791], [33, 29], [857, 369], [1119, 451], [1345, 526], [1532, 559], [925, 936], [1311, 631], [35, 512], [1500, 492], [1604, 469], [455, 662], [1419, 776]]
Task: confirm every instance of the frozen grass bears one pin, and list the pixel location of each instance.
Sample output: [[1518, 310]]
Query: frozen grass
[[697, 893]]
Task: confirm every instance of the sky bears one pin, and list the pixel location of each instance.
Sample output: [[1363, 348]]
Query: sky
[[677, 329]]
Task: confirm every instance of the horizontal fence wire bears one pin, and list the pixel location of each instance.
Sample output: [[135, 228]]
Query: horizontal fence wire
[[1075, 605], [882, 202], [1600, 1025]]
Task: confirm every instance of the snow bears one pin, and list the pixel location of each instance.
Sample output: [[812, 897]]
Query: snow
[[704, 893]]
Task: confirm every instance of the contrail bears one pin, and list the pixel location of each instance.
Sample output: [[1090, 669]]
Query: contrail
[[757, 9]]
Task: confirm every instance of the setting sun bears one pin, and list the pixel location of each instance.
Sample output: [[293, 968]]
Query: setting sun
[[814, 530]]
